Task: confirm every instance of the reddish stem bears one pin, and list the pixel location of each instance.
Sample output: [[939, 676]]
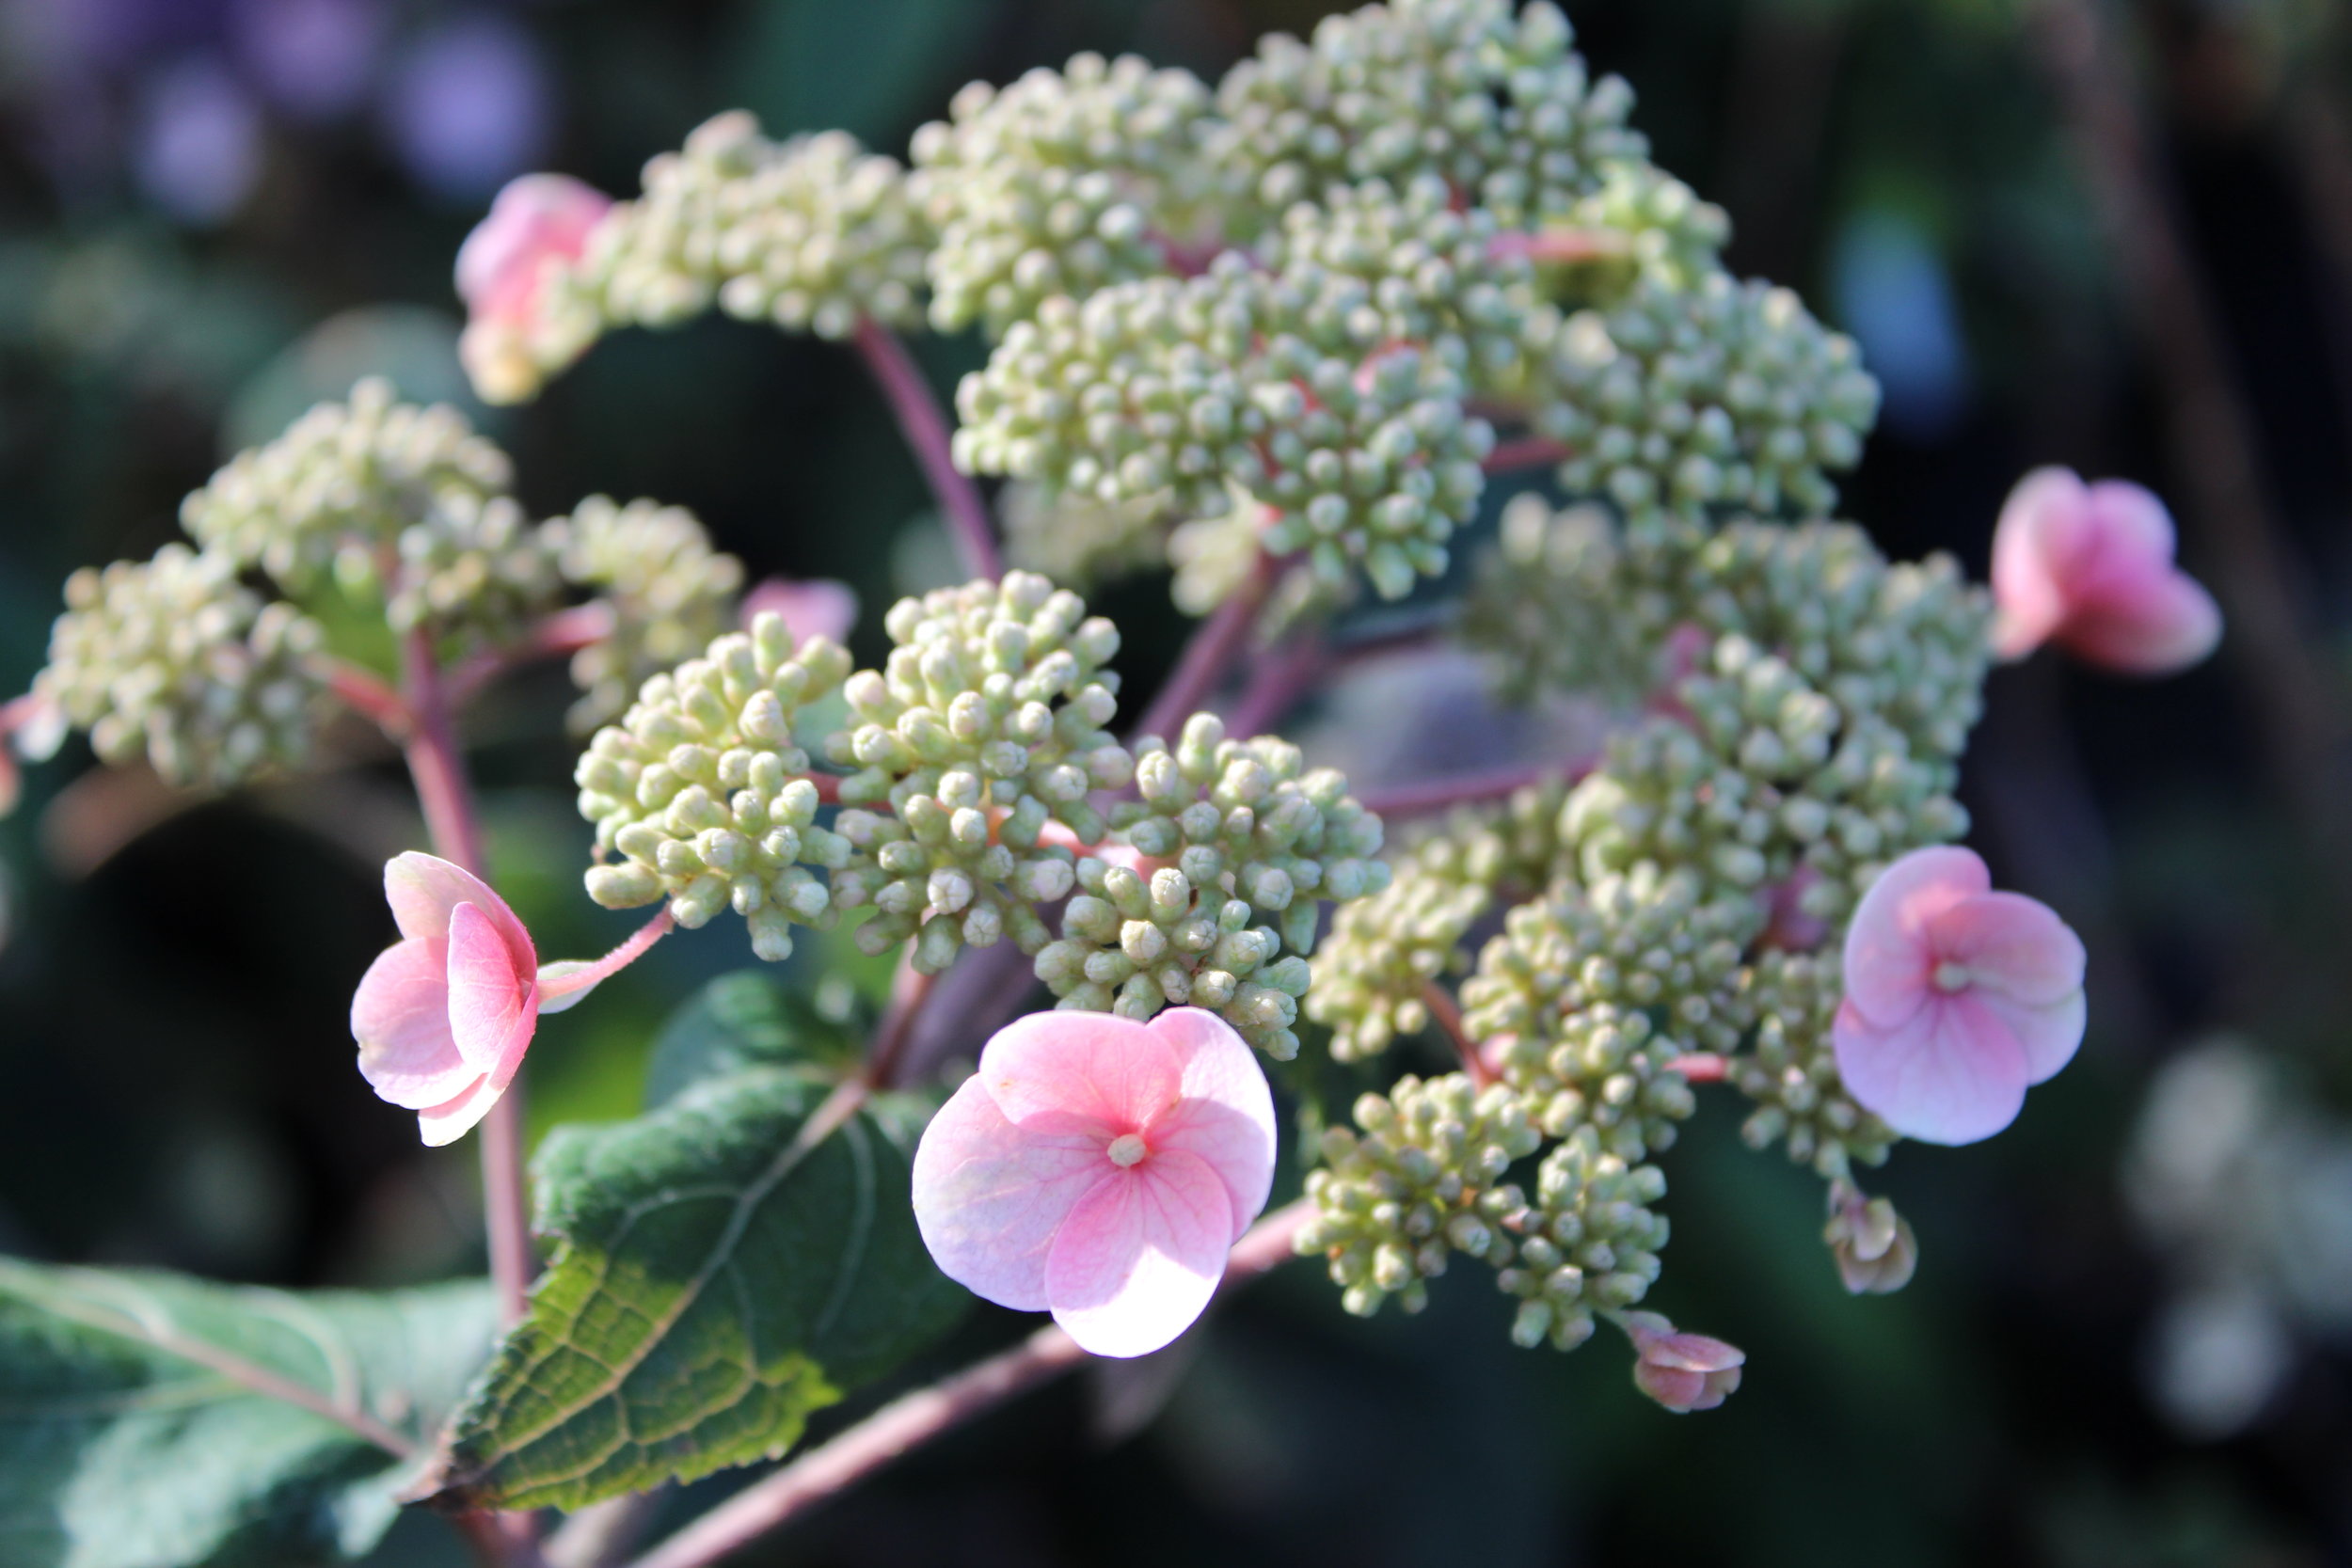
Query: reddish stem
[[1216, 642], [1446, 1014], [1565, 245], [923, 1416], [925, 424], [560, 636], [1425, 796], [1526, 451], [1703, 1067], [456, 828], [908, 995], [370, 696]]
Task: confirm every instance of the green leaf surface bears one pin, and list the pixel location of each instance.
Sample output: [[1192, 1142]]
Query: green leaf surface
[[726, 1265], [741, 1020], [148, 1420]]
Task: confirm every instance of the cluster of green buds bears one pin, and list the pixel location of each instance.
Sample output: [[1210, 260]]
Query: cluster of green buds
[[213, 662], [704, 795], [1670, 920], [1231, 851], [1061, 183], [1282, 317], [967, 810], [670, 593], [809, 234], [171, 659]]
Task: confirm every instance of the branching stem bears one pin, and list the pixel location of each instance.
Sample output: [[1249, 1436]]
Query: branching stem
[[1424, 796], [1216, 642], [915, 1419], [925, 424]]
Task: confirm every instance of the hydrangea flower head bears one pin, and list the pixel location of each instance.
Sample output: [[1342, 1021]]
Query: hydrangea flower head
[[2090, 567], [501, 269], [1957, 998], [1100, 1168], [444, 1015]]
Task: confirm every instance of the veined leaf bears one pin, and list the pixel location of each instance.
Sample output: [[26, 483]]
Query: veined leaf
[[739, 1020], [148, 1420], [726, 1265]]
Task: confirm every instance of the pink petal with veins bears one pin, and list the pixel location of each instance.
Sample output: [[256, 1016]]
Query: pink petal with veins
[[400, 1016], [1226, 1112], [1886, 957], [1072, 1070], [989, 1195], [1100, 1167], [1140, 1254]]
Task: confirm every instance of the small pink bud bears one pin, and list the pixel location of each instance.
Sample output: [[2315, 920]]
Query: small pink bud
[[2090, 568], [444, 1015], [811, 606], [1682, 1371], [1957, 998], [539, 221], [1100, 1168]]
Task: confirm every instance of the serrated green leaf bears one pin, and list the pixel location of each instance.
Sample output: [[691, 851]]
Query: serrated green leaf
[[148, 1420], [741, 1020], [726, 1265]]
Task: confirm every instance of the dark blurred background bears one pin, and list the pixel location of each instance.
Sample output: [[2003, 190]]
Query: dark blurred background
[[2127, 249]]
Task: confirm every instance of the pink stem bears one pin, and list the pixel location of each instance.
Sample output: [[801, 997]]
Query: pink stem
[[925, 424], [1703, 1067], [1447, 1014], [915, 1419], [1216, 642], [559, 636], [1559, 245], [1425, 796], [612, 963], [1527, 451], [449, 818], [371, 697]]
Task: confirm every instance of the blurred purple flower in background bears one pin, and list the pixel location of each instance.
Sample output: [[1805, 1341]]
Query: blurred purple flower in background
[[314, 59], [198, 149], [468, 106]]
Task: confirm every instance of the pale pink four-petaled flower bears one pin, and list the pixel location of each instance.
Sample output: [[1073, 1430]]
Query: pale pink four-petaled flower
[[2090, 567], [1100, 1168], [444, 1015], [537, 220], [1957, 998]]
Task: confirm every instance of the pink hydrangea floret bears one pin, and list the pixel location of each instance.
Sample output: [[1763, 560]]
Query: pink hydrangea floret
[[536, 221], [444, 1015], [1957, 998], [2090, 567], [811, 606], [1100, 1169]]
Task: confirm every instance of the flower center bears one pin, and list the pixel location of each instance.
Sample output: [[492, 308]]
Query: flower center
[[1127, 1150], [1950, 976]]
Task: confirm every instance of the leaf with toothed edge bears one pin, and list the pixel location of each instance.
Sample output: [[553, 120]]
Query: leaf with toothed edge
[[148, 1420], [726, 1265]]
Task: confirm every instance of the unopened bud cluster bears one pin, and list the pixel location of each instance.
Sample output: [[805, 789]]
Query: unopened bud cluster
[[172, 661], [1679, 907], [1718, 394], [704, 795], [670, 591], [1266, 312], [392, 500], [370, 502], [1060, 184], [808, 234], [1387, 950], [1236, 845]]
